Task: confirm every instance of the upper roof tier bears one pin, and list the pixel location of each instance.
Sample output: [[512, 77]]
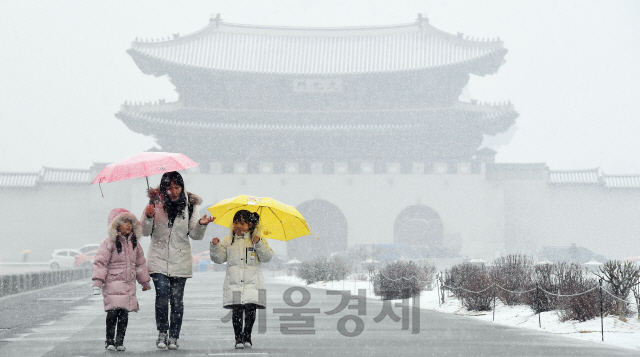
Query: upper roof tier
[[228, 47]]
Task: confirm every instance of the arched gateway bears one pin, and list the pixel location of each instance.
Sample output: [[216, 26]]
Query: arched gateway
[[329, 223], [419, 225]]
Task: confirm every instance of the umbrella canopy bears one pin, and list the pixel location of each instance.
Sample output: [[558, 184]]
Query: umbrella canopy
[[144, 165], [277, 220]]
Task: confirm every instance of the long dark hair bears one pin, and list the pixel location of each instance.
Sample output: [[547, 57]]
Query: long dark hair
[[173, 208], [248, 217], [134, 240]]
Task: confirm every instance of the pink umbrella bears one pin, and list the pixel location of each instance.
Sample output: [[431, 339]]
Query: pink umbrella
[[144, 165]]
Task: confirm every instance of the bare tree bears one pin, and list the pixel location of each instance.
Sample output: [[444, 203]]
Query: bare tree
[[621, 277]]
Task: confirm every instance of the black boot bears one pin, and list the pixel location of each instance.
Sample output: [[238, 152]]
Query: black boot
[[239, 342], [109, 344], [119, 346], [120, 341], [247, 341]]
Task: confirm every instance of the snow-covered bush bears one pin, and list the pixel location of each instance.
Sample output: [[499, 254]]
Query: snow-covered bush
[[323, 270], [429, 273], [472, 284], [399, 280], [575, 280], [620, 277], [514, 273], [544, 279]]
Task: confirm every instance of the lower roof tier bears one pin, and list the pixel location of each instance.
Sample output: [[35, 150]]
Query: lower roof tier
[[452, 133], [490, 119]]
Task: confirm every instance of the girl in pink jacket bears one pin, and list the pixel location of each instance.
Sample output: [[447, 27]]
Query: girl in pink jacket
[[119, 263]]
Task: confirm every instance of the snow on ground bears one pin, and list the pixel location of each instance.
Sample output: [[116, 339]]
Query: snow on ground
[[616, 332]]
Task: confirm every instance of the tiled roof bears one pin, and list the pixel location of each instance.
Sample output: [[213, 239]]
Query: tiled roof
[[47, 175], [18, 180], [621, 181], [219, 119], [579, 177], [57, 176], [321, 51]]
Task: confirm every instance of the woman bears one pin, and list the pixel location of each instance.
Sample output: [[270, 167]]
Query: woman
[[171, 220]]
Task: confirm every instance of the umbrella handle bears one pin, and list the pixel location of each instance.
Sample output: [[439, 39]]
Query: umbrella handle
[[314, 233]]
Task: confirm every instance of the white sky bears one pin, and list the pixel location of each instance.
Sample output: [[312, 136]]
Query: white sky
[[572, 71]]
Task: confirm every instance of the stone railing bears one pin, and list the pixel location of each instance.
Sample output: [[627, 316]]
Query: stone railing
[[17, 283]]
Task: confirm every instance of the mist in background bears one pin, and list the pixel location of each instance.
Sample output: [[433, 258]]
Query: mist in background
[[571, 72]]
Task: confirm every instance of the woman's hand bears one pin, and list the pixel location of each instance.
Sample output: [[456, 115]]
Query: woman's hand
[[150, 210], [256, 239], [206, 220], [215, 241]]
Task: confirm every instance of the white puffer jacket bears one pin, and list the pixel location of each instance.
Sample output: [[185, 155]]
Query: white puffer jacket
[[244, 269], [170, 250]]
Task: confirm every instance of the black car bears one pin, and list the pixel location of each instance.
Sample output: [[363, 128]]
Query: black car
[[572, 254]]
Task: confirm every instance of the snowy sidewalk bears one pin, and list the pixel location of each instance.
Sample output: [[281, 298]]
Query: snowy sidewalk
[[616, 333], [77, 327]]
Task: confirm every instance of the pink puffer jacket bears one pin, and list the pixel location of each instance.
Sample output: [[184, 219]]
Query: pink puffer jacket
[[116, 273]]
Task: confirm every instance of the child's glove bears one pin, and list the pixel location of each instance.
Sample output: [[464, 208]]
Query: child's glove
[[97, 290], [146, 286]]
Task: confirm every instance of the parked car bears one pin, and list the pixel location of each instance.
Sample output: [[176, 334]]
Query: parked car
[[198, 257], [63, 258], [85, 260], [89, 247]]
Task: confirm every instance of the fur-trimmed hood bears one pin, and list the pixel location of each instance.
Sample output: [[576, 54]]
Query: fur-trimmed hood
[[154, 195], [118, 216]]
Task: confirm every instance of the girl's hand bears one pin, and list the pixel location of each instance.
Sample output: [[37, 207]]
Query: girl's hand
[[150, 210], [256, 239], [206, 220], [215, 241], [146, 287]]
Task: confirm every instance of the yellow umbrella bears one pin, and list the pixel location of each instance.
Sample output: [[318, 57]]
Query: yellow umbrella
[[277, 220]]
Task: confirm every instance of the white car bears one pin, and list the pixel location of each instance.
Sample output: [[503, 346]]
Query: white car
[[89, 247], [63, 258]]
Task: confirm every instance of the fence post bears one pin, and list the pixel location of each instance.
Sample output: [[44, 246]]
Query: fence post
[[438, 285], [494, 301], [601, 313], [538, 306]]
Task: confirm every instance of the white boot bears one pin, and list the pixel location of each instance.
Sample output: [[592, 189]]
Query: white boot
[[173, 343], [161, 342]]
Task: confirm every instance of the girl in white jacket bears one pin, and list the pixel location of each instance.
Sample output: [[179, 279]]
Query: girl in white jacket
[[244, 290]]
